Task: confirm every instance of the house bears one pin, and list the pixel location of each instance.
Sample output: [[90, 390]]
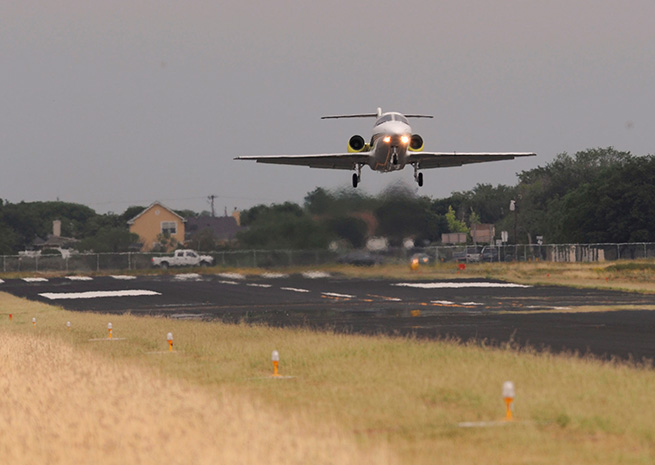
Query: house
[[222, 228], [155, 223]]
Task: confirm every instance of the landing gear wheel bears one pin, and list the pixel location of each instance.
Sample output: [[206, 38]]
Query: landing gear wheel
[[355, 179], [419, 179]]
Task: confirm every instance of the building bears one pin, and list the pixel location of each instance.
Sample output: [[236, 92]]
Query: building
[[222, 228], [158, 227]]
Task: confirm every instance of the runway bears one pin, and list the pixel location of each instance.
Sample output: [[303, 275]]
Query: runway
[[469, 309]]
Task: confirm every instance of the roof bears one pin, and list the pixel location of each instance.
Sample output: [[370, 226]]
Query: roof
[[223, 227], [150, 207]]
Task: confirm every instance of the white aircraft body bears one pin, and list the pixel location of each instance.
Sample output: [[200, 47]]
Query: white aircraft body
[[391, 148]]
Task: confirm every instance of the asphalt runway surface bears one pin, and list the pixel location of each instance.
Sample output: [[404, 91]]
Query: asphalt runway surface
[[469, 309]]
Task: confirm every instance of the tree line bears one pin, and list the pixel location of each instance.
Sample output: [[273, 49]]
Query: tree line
[[595, 195]]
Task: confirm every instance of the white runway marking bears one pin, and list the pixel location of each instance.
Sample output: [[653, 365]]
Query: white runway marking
[[1, 281], [35, 280], [442, 302], [259, 285], [471, 303], [274, 275], [293, 289], [316, 274], [187, 276], [459, 285], [233, 283], [97, 294], [231, 275], [334, 294], [124, 277], [79, 278]]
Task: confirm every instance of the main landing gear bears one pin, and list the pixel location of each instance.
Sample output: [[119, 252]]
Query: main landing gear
[[418, 176], [357, 176]]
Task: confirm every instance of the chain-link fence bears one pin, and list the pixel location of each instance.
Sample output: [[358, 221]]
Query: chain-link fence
[[291, 258]]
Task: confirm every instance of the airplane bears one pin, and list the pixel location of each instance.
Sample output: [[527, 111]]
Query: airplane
[[392, 147]]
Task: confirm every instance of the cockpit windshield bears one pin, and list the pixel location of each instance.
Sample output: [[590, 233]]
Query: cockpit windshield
[[384, 119], [391, 117]]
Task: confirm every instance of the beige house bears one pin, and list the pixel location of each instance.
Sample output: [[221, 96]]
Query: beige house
[[155, 221]]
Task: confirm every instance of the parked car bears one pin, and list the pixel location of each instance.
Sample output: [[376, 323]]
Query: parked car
[[470, 254], [183, 257], [360, 258], [489, 254]]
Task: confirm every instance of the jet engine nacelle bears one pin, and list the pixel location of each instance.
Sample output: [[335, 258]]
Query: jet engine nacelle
[[356, 144], [416, 143]]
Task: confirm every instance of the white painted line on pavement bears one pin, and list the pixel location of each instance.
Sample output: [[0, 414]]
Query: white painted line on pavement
[[187, 276], [442, 302], [97, 294], [316, 274], [293, 289], [334, 294], [259, 285], [123, 277], [233, 283], [79, 278], [274, 275], [231, 275], [35, 280], [459, 285]]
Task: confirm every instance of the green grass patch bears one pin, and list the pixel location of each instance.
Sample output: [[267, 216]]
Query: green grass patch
[[405, 394]]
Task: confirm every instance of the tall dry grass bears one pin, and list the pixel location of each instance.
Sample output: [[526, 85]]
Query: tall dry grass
[[383, 394], [62, 405]]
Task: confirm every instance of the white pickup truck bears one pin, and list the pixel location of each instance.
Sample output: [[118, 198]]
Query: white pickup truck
[[183, 258]]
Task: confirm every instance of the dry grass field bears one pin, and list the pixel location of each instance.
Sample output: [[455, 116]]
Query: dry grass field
[[349, 399]]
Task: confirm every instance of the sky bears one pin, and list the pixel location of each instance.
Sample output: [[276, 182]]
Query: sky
[[119, 103]]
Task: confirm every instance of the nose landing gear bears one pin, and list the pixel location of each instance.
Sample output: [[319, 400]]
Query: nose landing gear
[[418, 177]]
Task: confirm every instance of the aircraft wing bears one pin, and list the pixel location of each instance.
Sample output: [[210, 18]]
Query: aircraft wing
[[445, 159], [343, 161]]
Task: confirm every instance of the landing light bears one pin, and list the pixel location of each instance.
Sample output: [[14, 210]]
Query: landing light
[[404, 139], [387, 139]]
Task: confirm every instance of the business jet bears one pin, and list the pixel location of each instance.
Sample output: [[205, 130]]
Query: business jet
[[392, 147]]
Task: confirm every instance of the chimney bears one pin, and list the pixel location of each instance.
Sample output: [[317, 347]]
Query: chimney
[[56, 228], [237, 216]]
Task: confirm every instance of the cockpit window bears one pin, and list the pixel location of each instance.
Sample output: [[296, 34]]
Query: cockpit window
[[384, 119], [392, 117]]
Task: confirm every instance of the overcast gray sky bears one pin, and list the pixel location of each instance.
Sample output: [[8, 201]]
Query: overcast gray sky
[[123, 102]]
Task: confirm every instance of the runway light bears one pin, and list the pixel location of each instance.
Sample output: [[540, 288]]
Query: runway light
[[109, 327], [68, 325], [275, 357], [34, 321], [169, 338], [11, 316], [508, 395]]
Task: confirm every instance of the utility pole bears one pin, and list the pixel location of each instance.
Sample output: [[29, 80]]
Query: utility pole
[[211, 201]]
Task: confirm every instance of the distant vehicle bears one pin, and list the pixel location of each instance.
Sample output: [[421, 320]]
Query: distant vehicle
[[489, 254], [183, 258], [359, 259], [392, 147], [471, 254]]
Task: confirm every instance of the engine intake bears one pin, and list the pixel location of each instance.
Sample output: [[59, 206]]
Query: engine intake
[[416, 143], [356, 144]]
